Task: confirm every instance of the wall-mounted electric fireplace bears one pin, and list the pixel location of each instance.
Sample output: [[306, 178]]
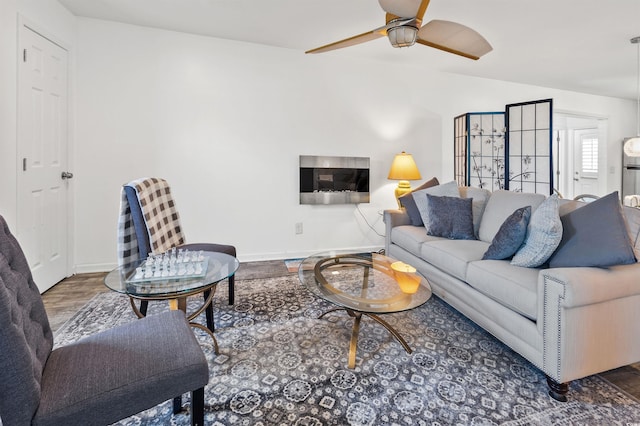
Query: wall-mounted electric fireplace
[[334, 180]]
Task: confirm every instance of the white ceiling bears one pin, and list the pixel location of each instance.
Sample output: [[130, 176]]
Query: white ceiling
[[578, 45]]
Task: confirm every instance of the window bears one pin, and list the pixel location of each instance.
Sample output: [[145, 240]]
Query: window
[[589, 156]]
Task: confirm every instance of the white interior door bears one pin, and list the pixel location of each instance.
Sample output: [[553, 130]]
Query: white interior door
[[586, 162], [42, 157]]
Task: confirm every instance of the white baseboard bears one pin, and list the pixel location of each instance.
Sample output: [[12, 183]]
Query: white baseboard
[[95, 267]]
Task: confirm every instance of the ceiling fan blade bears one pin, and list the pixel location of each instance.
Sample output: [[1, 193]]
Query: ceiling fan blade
[[453, 38], [360, 38], [422, 9], [405, 8], [351, 41]]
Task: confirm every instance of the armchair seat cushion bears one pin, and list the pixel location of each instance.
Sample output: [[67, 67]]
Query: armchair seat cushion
[[158, 358], [216, 248]]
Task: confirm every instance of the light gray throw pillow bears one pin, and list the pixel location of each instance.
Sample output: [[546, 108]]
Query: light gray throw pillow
[[449, 189], [543, 235], [480, 197]]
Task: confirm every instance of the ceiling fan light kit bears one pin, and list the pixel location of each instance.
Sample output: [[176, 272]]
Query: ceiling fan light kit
[[402, 35], [404, 28]]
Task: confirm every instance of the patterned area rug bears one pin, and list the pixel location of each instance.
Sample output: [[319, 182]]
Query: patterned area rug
[[280, 365]]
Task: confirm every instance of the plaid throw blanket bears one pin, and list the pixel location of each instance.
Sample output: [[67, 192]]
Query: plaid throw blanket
[[160, 216]]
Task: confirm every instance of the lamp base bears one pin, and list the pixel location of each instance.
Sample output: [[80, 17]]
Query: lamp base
[[403, 187]]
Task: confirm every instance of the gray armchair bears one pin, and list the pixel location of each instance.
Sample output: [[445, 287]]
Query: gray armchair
[[94, 381], [148, 208]]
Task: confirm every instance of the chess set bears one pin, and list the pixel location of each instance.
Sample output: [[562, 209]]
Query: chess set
[[171, 265]]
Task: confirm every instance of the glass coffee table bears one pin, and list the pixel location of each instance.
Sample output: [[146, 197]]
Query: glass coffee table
[[215, 268], [364, 284]]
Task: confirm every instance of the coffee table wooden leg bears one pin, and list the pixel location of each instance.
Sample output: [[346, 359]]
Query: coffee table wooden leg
[[209, 332], [391, 330], [179, 303], [331, 310], [136, 311], [353, 346]]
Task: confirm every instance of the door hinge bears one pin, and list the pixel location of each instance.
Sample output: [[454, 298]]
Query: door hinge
[[24, 164], [24, 55]]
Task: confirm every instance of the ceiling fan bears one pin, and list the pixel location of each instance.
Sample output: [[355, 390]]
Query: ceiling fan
[[404, 28]]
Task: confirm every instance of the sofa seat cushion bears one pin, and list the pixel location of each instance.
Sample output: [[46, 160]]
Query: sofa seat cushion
[[411, 237], [453, 256], [512, 286]]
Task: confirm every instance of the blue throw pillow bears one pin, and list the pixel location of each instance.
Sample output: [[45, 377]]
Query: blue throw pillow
[[450, 217], [409, 203], [449, 189], [594, 235], [543, 235], [510, 236]]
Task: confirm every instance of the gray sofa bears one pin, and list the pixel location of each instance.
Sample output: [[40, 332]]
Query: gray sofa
[[570, 322]]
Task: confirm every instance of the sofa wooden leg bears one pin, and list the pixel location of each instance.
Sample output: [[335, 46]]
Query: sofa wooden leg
[[558, 391], [197, 407]]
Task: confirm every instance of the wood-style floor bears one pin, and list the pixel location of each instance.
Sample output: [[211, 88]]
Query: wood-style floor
[[71, 294]]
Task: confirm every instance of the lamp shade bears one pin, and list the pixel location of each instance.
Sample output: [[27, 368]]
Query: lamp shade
[[631, 147], [404, 167]]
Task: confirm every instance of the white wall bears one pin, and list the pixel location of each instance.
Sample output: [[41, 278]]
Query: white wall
[[224, 122]]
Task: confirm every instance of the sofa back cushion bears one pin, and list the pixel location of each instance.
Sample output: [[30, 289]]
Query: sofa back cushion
[[480, 197], [500, 206]]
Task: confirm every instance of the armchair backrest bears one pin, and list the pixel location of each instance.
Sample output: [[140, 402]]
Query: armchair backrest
[[144, 246], [26, 339], [149, 221]]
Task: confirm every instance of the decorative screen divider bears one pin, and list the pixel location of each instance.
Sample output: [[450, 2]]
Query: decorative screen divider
[[480, 150], [528, 147], [460, 169], [506, 150]]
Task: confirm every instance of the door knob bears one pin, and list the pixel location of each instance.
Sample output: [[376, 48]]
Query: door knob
[[66, 175]]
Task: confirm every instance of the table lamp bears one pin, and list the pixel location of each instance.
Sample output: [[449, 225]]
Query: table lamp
[[406, 277], [404, 169]]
